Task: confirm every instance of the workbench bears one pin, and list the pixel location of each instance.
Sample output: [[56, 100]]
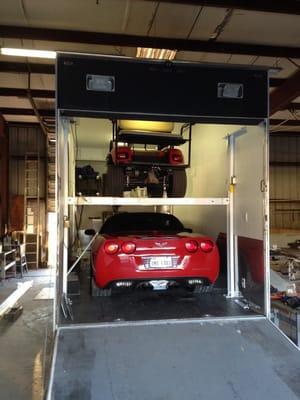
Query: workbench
[[8, 261]]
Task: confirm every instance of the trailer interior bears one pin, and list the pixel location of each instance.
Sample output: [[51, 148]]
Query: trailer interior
[[208, 151]]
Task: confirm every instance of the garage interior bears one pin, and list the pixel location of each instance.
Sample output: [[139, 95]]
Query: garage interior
[[193, 31]]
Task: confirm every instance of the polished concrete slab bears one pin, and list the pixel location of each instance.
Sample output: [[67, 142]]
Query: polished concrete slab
[[226, 360]]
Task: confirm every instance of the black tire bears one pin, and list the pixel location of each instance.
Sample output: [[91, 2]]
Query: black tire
[[114, 181], [203, 289], [104, 178], [98, 292], [178, 183]]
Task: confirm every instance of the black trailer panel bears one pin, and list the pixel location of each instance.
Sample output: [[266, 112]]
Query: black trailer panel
[[117, 87], [245, 360]]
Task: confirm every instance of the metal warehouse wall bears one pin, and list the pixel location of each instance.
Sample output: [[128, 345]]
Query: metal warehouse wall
[[284, 181], [21, 141]]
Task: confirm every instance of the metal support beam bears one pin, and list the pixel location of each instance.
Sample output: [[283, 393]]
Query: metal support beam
[[275, 82], [292, 106], [113, 39], [280, 7], [19, 124], [285, 133], [282, 122], [4, 164], [36, 93], [19, 67], [284, 94], [26, 111]]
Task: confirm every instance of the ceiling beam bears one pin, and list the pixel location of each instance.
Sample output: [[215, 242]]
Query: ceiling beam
[[113, 39], [285, 93], [281, 122], [26, 111], [293, 106], [275, 82], [282, 7], [36, 93], [19, 67], [2, 126], [23, 124], [285, 133]]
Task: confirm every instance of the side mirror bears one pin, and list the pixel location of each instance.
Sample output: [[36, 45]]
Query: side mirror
[[90, 232], [189, 230]]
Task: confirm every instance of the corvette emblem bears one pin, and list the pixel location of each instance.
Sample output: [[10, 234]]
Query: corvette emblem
[[161, 244]]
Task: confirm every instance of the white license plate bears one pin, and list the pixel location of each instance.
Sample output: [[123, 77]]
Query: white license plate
[[160, 262]]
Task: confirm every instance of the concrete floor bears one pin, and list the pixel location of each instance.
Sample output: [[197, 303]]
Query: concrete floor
[[25, 345]]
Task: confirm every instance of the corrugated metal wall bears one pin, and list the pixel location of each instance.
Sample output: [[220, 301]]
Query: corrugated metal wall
[[24, 140], [21, 141], [284, 181]]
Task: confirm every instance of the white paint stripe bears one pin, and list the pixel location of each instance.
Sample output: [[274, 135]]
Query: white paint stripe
[[15, 296]]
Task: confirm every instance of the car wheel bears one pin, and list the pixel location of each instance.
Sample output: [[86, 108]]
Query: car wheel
[[114, 181], [98, 292], [178, 182]]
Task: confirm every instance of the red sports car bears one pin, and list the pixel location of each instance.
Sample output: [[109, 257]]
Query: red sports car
[[151, 250]]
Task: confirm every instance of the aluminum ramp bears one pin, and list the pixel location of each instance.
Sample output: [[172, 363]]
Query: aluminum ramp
[[222, 359]]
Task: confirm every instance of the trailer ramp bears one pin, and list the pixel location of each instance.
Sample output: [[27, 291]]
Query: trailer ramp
[[222, 359]]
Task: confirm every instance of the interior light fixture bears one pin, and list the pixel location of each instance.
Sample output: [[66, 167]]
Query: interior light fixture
[[7, 51], [159, 54]]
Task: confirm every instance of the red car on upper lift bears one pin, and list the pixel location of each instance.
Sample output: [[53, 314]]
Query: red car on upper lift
[[134, 250]]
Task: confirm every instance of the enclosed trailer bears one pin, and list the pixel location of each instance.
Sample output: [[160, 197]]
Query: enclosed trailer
[[222, 345]]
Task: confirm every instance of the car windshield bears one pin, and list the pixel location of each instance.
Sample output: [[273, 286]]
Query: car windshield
[[141, 222]]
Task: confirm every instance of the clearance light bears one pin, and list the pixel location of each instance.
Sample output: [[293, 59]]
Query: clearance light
[[6, 51], [128, 247], [111, 248], [159, 54], [206, 246], [191, 246]]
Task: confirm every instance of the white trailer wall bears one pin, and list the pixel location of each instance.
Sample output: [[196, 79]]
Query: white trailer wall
[[207, 177]]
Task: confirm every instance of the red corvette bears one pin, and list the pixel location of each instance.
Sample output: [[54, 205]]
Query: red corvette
[[151, 250]]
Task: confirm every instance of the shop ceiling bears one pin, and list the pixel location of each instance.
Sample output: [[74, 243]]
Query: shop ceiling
[[234, 32]]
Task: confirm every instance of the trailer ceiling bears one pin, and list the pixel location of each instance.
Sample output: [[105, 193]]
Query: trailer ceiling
[[230, 32]]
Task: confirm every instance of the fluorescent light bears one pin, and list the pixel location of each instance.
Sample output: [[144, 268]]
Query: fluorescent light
[[28, 53], [159, 54]]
